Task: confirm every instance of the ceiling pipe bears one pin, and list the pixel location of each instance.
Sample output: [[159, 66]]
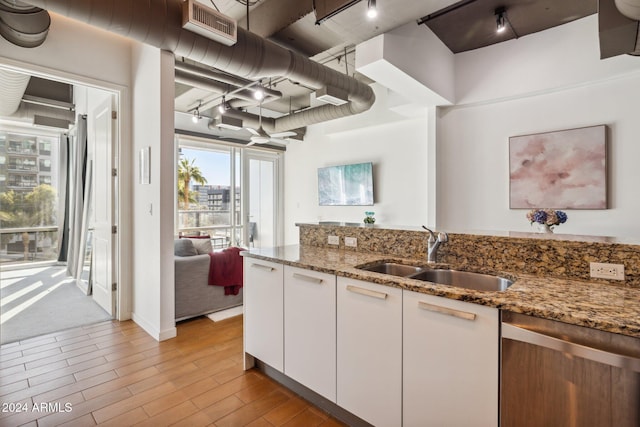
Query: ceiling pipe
[[159, 23], [629, 8], [222, 77], [12, 88], [216, 86], [23, 24]]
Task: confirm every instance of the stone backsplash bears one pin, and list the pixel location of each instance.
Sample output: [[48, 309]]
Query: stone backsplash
[[553, 255]]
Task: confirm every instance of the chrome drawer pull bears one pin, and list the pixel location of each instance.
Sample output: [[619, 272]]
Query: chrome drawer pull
[[262, 267], [367, 292], [307, 278], [448, 311]]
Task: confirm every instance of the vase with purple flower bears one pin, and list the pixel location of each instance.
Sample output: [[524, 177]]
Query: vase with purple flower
[[546, 219]]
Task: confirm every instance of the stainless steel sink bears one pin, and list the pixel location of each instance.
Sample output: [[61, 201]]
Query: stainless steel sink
[[464, 279], [392, 268]]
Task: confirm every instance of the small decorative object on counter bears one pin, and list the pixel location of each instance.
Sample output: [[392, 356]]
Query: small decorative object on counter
[[369, 218], [546, 219]]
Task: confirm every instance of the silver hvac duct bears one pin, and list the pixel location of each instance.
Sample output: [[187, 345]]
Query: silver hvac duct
[[159, 23], [23, 24], [12, 87]]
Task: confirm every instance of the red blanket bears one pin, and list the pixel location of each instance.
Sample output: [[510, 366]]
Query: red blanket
[[225, 269]]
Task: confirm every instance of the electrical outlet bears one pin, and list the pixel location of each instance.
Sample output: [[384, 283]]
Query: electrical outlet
[[607, 271], [351, 242], [333, 240]]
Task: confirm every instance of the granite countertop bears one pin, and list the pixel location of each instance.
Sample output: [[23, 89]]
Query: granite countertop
[[596, 305]]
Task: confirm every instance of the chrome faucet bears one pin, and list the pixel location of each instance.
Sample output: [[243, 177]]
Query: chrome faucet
[[434, 243]]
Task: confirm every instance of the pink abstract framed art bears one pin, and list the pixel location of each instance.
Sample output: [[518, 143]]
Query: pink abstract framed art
[[565, 169]]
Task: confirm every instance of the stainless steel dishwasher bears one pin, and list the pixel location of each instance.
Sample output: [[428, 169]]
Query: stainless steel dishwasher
[[556, 374]]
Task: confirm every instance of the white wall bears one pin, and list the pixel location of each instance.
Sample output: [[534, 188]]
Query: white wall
[[568, 55], [398, 150], [549, 81], [77, 51], [153, 92]]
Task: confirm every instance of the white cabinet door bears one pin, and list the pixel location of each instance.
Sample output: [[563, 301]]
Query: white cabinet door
[[369, 351], [310, 329], [263, 311], [450, 362]]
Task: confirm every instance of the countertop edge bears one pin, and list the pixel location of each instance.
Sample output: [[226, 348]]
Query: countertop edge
[[523, 297]]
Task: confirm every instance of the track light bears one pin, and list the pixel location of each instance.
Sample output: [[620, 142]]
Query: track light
[[196, 115], [500, 19], [258, 92], [223, 107], [372, 11]]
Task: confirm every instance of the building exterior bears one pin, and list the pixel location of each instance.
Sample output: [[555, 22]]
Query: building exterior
[[26, 161], [214, 197]]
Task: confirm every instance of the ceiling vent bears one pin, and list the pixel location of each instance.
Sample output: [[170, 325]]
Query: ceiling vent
[[209, 23], [332, 95], [227, 122]]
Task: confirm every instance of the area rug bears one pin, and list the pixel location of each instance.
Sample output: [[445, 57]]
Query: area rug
[[42, 300], [225, 314]]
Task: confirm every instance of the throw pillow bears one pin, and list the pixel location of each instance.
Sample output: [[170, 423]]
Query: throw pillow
[[184, 247], [203, 246]]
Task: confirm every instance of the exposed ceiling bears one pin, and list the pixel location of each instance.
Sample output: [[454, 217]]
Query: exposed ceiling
[[471, 24], [287, 39], [461, 25], [292, 24]]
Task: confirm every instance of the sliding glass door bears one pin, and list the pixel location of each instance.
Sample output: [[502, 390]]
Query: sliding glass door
[[261, 175], [227, 192]]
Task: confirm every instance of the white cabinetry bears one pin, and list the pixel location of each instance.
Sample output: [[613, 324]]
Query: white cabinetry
[[310, 329], [450, 362], [263, 311], [369, 351]]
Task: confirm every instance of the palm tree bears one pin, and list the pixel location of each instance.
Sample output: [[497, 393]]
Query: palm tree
[[188, 172]]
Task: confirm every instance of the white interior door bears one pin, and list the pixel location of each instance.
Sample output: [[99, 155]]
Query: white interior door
[[102, 199], [261, 203]]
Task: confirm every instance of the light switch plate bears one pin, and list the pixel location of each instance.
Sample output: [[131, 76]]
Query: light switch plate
[[333, 240], [599, 270], [351, 242]]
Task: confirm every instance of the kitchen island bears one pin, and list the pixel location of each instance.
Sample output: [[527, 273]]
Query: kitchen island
[[603, 306], [379, 349]]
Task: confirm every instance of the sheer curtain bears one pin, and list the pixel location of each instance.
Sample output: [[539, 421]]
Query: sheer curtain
[[76, 179]]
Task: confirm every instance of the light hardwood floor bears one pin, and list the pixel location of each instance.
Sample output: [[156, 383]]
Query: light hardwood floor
[[114, 374]]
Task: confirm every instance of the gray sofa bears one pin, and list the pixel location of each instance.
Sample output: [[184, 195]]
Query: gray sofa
[[194, 296]]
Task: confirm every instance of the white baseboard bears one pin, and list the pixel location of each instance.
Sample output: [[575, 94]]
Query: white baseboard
[[225, 314], [153, 331]]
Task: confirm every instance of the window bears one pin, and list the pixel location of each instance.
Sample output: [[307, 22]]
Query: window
[[210, 192], [28, 200], [45, 148], [45, 165]]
